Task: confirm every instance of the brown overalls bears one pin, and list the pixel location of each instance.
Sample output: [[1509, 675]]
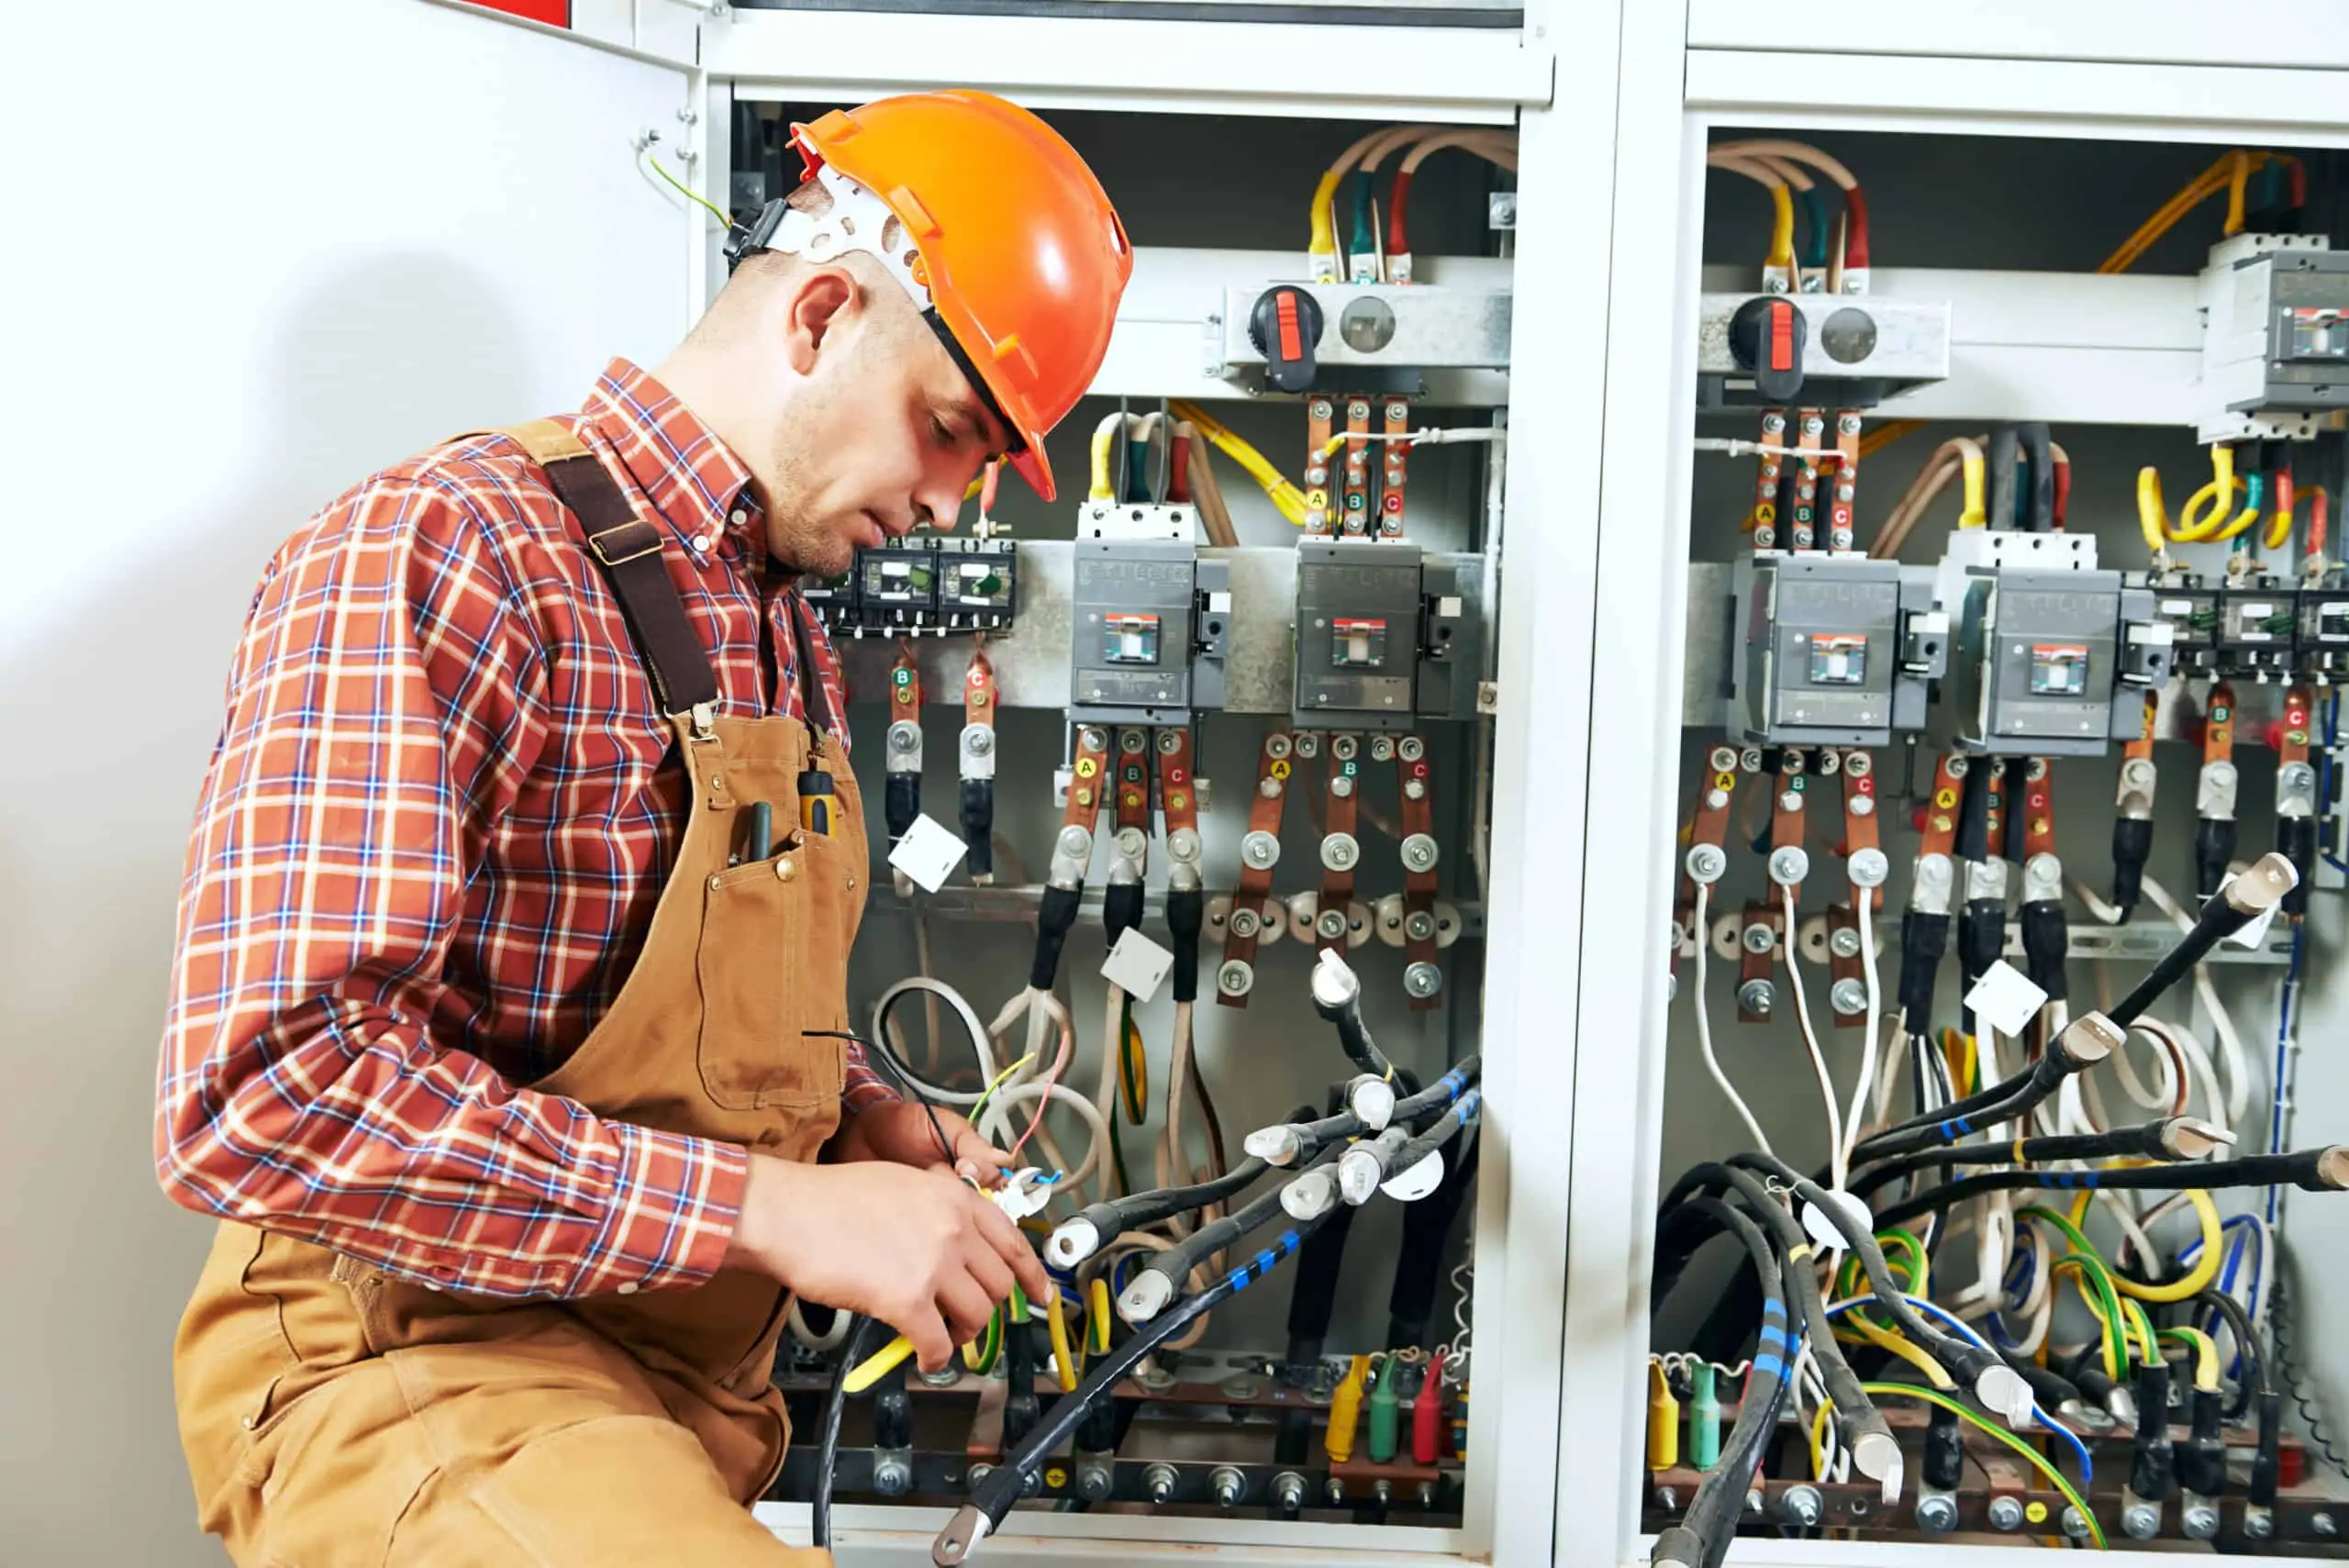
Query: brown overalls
[[334, 1415]]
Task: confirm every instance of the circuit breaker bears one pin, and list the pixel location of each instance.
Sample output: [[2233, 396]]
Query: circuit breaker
[[1381, 638], [1832, 649], [2275, 337], [978, 584], [1150, 624], [1853, 351]]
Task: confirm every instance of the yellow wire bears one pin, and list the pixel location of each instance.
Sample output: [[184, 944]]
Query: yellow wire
[[2205, 1267], [1063, 1363], [1285, 497], [2207, 509], [2039, 1460], [1345, 1410], [1664, 1420], [996, 1082], [1818, 1439], [2238, 180], [1097, 1316], [687, 191], [2140, 1326], [1901, 1346], [1101, 439], [1782, 229], [2153, 513], [2206, 1355]]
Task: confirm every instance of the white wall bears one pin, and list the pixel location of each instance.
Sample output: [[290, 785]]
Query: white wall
[[254, 248]]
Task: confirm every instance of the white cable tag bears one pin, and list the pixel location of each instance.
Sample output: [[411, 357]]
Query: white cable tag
[[1821, 1226], [2005, 999], [1409, 1186], [927, 853], [2256, 933], [1137, 965]]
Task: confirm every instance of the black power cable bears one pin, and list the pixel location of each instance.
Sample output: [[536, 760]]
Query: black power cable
[[2311, 1170], [828, 1446]]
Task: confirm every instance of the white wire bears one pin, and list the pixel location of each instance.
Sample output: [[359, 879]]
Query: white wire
[[975, 1030], [1887, 1078], [2164, 1093], [2200, 1073], [1839, 1165], [2230, 1049], [995, 1124], [1862, 901], [1705, 1033]]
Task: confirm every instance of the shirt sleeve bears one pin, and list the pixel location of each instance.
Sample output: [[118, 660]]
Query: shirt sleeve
[[861, 1087], [384, 705]]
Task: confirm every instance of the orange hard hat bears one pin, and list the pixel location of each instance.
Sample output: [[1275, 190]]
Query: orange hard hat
[[1009, 243]]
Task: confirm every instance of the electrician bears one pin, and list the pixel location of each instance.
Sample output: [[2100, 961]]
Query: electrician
[[503, 1037]]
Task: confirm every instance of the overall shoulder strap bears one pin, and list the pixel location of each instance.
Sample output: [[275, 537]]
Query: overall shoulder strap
[[628, 550]]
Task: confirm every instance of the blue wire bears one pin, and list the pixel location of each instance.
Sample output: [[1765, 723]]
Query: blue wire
[[1965, 1331]]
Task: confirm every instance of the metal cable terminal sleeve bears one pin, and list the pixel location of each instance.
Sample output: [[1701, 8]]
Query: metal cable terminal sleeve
[[992, 1499], [1056, 918]]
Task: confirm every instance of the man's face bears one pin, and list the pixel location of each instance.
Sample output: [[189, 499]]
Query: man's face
[[889, 432]]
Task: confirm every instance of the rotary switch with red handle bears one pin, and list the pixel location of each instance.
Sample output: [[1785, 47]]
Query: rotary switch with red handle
[[1284, 324], [1766, 336]]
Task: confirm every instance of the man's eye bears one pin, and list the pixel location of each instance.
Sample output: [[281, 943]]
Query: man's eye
[[940, 433]]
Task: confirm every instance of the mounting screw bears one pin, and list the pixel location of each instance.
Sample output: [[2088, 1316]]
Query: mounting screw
[[1848, 997], [892, 1476], [2005, 1513], [1760, 938], [1789, 865], [1227, 1485], [1867, 868], [1093, 1482], [2323, 1525], [1418, 853], [1422, 979], [1847, 425], [1844, 942], [1075, 842], [1288, 1491], [2141, 1521], [1341, 787], [1340, 852], [1936, 1515], [1235, 979], [2075, 1523], [2258, 1523], [1668, 1499], [979, 1473], [1802, 1505], [1158, 1482], [1335, 1491], [1754, 997], [2199, 1522], [1410, 748], [1260, 851]]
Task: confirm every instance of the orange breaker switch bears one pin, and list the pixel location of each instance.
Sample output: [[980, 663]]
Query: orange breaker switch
[[1766, 336]]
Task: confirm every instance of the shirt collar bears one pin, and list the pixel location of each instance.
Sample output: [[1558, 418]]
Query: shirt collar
[[696, 483]]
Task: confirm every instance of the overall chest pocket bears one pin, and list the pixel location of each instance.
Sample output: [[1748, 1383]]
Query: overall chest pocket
[[774, 965]]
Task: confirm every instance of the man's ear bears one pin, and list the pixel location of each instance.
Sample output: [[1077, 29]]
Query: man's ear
[[822, 303]]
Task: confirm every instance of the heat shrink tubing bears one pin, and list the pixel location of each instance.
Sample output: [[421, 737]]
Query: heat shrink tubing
[[992, 1499], [1690, 1218], [1998, 1386], [1092, 1227], [2092, 1036]]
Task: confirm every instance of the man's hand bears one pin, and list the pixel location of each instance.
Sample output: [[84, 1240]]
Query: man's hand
[[901, 1131], [919, 1250]]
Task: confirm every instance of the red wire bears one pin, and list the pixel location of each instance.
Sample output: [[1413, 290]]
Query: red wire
[[1855, 232], [2299, 174], [1398, 242], [1179, 469], [1427, 1413], [2320, 510], [2062, 494]]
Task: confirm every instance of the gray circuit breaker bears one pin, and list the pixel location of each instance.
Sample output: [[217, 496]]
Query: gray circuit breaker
[[1382, 636], [1832, 649], [1150, 627]]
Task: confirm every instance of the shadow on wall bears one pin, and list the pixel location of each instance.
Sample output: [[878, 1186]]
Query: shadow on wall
[[112, 706]]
